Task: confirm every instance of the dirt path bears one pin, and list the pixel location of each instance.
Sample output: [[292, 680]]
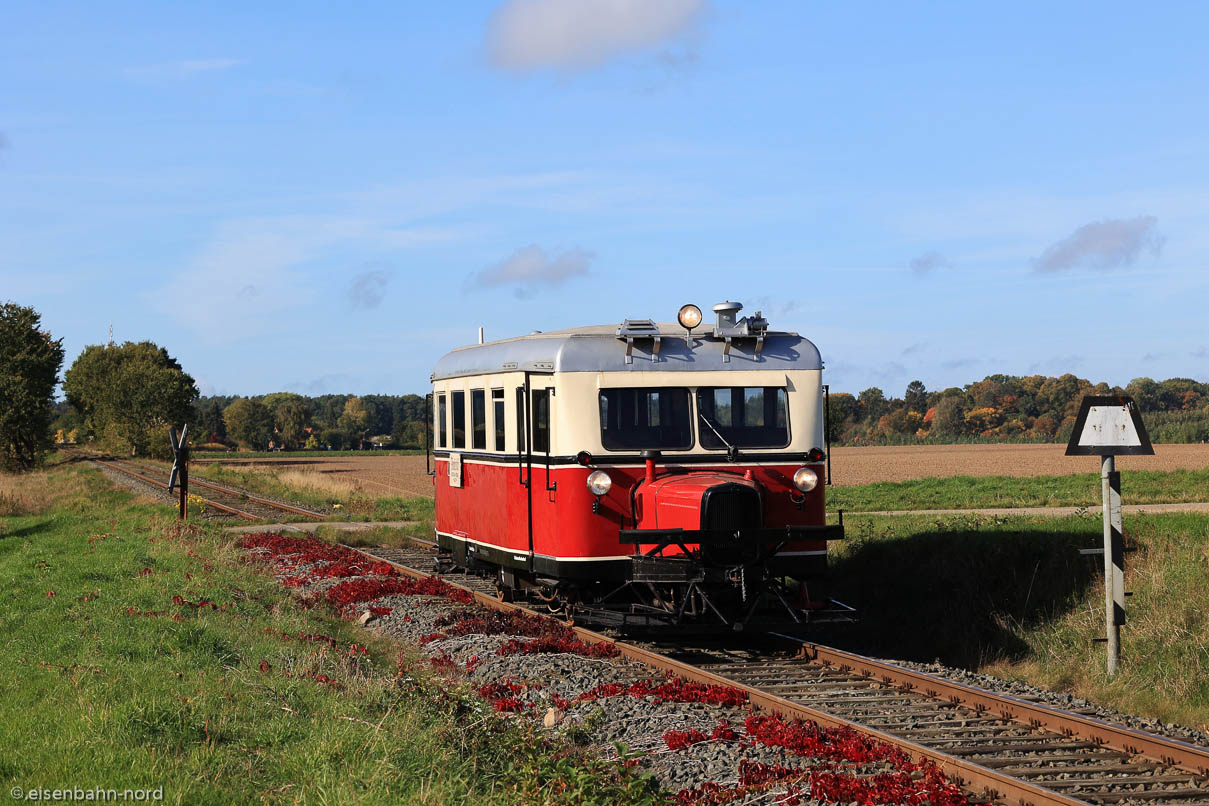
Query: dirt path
[[1044, 512]]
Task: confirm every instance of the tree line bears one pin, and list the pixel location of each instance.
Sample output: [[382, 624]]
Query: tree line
[[288, 420], [123, 397], [1010, 408]]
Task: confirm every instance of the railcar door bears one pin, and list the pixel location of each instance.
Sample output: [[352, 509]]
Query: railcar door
[[534, 404]]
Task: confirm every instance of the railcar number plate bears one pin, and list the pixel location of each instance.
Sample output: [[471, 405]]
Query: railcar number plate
[[455, 470]]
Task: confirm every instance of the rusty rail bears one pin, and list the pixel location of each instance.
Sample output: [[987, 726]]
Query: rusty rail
[[1172, 752], [116, 464], [967, 774]]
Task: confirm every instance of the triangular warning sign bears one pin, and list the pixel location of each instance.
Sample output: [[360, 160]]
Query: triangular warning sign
[[1108, 426]]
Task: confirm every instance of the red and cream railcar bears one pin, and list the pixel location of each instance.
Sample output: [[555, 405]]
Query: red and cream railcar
[[637, 473]]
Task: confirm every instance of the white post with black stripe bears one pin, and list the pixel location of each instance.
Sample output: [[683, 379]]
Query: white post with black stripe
[[1109, 427], [1114, 561]]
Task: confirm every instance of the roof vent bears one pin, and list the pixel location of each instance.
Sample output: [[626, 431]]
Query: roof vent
[[729, 327], [632, 329]]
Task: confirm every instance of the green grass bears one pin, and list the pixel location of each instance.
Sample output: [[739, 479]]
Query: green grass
[[977, 492], [241, 454], [1013, 596], [91, 695], [352, 506]]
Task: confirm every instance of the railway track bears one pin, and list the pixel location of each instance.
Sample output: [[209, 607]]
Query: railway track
[[1007, 749], [229, 500]]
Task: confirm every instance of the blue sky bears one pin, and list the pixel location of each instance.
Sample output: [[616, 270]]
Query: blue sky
[[327, 198]]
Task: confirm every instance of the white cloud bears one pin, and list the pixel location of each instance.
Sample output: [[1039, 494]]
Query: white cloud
[[255, 269], [530, 266], [1106, 244], [535, 34], [929, 261], [183, 69]]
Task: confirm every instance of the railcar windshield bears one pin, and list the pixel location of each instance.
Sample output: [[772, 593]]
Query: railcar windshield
[[743, 416], [637, 419]]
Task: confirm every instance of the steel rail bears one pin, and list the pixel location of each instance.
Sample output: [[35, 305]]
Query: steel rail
[[112, 463], [969, 775], [254, 499], [116, 465], [1171, 752]]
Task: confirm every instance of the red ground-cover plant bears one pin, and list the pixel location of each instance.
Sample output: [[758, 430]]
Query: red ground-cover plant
[[366, 590], [572, 646], [547, 635], [811, 739], [673, 689], [502, 694], [680, 739], [886, 788]]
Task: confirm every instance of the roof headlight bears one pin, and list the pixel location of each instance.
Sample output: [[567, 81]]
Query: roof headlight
[[805, 479], [689, 316], [599, 482]]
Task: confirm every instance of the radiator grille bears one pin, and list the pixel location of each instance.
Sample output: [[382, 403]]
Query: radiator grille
[[731, 506]]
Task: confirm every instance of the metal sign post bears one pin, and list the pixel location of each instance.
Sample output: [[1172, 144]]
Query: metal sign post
[[180, 468], [1110, 426]]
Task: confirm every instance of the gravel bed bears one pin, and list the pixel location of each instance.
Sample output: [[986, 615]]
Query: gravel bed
[[546, 678], [1056, 699]]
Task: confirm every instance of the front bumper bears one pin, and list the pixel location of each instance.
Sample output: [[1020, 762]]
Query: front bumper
[[730, 537]]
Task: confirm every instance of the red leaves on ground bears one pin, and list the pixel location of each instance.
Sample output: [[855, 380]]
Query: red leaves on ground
[[502, 695], [547, 635], [680, 739], [835, 744], [673, 689], [366, 590], [264, 667]]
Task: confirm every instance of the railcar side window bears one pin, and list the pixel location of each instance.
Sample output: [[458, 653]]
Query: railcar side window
[[746, 417], [459, 419], [478, 419], [634, 419], [440, 424], [541, 420], [497, 403]]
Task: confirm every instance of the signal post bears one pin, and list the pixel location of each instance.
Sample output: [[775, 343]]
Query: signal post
[[1110, 426]]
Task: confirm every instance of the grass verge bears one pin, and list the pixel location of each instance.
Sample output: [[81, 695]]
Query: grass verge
[[977, 492], [347, 500], [1012, 596], [235, 455], [139, 654]]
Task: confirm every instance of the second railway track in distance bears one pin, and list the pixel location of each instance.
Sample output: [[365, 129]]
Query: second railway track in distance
[[222, 498], [1017, 751]]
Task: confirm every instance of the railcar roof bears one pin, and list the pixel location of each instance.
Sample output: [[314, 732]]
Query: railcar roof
[[598, 348]]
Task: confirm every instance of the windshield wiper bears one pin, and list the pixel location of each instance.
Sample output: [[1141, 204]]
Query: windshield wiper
[[732, 453]]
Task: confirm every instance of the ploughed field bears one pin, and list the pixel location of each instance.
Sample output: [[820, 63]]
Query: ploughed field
[[404, 475], [868, 465]]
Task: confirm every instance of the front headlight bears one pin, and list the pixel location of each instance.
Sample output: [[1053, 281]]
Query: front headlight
[[689, 316], [599, 482], [805, 479]]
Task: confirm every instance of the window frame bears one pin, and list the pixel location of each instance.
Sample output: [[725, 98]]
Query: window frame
[[441, 416], [499, 410], [698, 421], [690, 410], [457, 399]]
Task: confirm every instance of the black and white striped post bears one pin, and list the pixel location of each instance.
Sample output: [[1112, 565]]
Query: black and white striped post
[[1114, 561], [1110, 426]]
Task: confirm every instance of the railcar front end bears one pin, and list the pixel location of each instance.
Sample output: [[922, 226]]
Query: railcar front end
[[639, 474]]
